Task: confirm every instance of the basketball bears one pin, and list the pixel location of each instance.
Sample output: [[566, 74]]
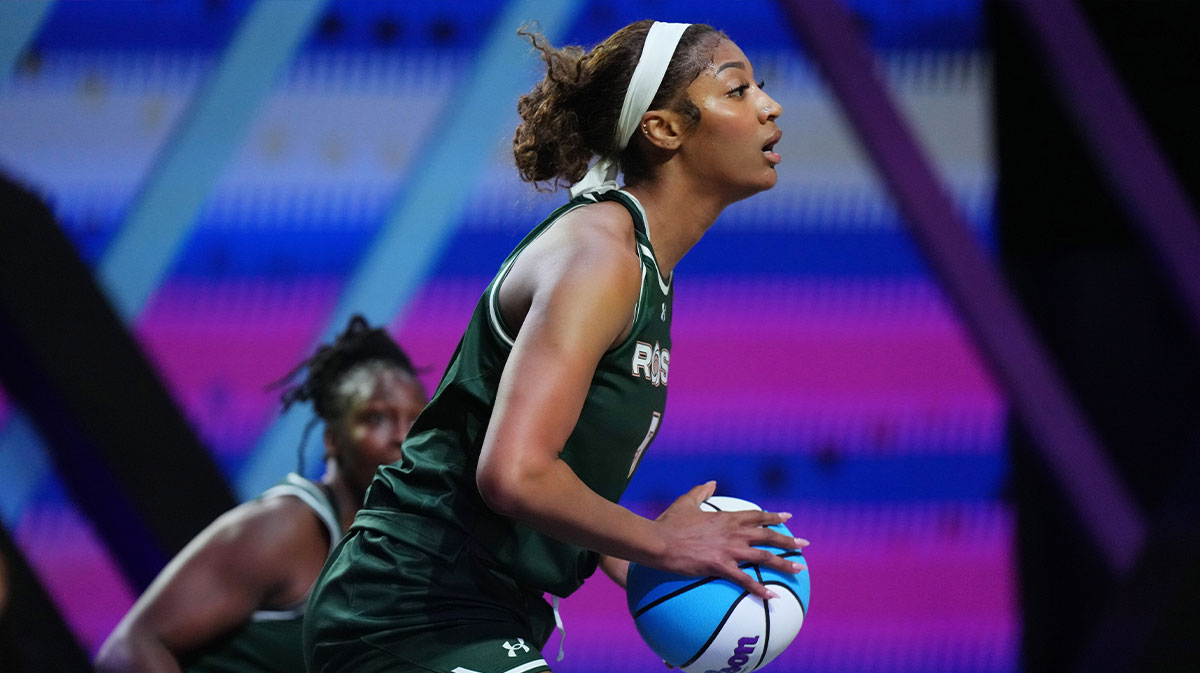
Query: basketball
[[702, 624]]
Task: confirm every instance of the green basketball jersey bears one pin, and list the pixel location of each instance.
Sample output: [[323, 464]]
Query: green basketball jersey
[[430, 497], [270, 642]]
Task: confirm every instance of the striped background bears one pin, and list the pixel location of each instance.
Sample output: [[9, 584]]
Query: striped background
[[818, 368]]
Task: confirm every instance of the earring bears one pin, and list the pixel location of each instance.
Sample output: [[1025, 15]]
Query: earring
[[645, 131]]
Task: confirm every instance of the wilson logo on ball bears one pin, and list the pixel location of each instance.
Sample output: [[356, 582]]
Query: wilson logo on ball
[[741, 655]]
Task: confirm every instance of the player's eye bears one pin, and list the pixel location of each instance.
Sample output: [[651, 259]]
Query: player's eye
[[739, 91]]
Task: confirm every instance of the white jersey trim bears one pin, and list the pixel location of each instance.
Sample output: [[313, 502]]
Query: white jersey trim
[[637, 308], [664, 285], [494, 305], [310, 494], [277, 615], [527, 666]]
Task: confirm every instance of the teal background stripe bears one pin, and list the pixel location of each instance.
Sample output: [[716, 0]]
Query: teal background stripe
[[23, 460], [19, 24], [25, 465], [139, 257], [427, 212], [161, 216]]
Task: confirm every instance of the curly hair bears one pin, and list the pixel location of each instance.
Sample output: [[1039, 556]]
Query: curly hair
[[571, 114]]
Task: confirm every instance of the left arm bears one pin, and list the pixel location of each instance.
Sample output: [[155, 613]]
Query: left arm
[[616, 569], [247, 558]]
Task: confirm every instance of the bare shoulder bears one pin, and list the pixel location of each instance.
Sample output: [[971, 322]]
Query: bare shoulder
[[586, 263], [267, 528], [607, 216], [597, 239], [606, 221]]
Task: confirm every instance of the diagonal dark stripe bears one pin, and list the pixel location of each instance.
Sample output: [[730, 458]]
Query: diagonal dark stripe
[[1120, 141], [1016, 358], [128, 457]]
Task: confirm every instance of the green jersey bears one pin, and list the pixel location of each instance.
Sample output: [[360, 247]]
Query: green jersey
[[430, 497], [270, 642]]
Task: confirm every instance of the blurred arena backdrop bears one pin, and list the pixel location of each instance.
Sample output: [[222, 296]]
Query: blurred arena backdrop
[[239, 176]]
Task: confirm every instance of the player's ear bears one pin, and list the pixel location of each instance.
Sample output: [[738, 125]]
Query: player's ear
[[662, 128], [330, 445]]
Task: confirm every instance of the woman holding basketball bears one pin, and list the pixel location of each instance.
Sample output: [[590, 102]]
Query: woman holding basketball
[[510, 478]]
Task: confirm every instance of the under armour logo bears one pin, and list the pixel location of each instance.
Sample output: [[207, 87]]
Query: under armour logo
[[512, 649]]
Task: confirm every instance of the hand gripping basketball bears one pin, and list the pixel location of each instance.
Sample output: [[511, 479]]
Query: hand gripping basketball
[[703, 543], [703, 622]]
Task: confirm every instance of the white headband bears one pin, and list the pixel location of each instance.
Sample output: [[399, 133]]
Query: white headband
[[657, 51]]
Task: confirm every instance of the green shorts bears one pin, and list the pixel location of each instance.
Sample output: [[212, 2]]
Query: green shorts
[[386, 605]]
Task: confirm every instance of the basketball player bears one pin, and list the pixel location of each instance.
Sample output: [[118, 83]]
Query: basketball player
[[233, 599], [510, 479]]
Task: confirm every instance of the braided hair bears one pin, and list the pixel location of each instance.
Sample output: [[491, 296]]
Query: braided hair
[[359, 348]]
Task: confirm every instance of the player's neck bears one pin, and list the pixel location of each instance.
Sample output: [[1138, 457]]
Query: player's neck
[[347, 499], [676, 218]]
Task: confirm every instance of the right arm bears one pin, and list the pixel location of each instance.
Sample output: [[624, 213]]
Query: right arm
[[245, 559], [580, 288]]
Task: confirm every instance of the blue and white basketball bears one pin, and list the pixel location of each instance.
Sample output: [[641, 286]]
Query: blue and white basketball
[[709, 624]]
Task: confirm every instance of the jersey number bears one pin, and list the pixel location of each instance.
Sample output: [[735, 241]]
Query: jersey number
[[645, 442]]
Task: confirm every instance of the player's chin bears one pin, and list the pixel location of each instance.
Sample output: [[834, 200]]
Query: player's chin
[[754, 182], [771, 177], [767, 178]]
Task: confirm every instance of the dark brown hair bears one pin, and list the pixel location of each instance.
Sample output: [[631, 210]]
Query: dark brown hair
[[358, 345], [571, 115]]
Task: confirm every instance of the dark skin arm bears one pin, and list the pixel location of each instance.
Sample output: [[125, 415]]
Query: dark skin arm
[[262, 554], [572, 292]]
